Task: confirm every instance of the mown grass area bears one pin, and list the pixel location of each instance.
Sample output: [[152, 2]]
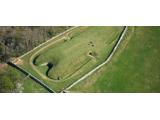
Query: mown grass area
[[29, 86], [134, 68], [77, 53]]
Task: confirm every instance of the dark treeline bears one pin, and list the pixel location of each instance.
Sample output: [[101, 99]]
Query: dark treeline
[[15, 41]]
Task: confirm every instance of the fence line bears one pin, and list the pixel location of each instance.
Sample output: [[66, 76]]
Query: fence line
[[32, 77]]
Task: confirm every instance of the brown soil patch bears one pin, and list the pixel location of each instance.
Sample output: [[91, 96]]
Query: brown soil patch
[[18, 61], [2, 66]]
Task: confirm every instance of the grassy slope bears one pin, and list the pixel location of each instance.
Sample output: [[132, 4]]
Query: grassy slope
[[134, 68], [60, 85]]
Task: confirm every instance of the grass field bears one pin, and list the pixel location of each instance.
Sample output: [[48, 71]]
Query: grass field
[[134, 68], [65, 59]]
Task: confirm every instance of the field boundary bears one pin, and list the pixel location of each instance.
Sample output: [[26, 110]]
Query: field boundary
[[101, 65], [32, 77]]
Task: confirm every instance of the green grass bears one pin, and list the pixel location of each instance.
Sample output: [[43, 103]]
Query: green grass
[[29, 86], [134, 68], [67, 57], [70, 55]]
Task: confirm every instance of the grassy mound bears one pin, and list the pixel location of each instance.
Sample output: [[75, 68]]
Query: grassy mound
[[72, 55]]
